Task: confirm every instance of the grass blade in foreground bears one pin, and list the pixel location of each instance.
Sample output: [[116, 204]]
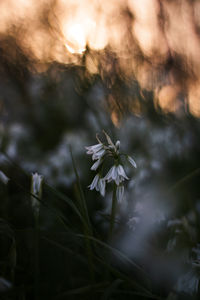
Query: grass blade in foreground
[[87, 228]]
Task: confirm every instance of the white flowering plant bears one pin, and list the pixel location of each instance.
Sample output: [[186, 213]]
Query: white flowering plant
[[101, 153]]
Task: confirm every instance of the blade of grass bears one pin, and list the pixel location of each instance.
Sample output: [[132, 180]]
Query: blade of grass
[[56, 192], [65, 249], [82, 290], [68, 201], [117, 273], [143, 291], [184, 179], [133, 293], [116, 252], [109, 291], [86, 228], [83, 205]]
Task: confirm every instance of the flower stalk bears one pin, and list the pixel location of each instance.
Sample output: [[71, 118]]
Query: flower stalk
[[113, 210]]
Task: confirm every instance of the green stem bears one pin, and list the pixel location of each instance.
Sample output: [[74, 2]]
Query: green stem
[[112, 224], [113, 211], [36, 256]]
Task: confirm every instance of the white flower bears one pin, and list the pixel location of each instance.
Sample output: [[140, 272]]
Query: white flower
[[102, 151], [174, 222], [36, 183], [112, 174], [132, 162], [117, 174], [132, 222], [120, 193], [95, 148], [98, 154], [3, 178], [36, 189], [188, 283], [96, 164], [102, 187], [94, 183], [121, 172], [171, 244], [98, 184]]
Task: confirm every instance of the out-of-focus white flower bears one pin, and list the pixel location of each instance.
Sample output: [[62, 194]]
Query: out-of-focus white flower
[[98, 184], [36, 183], [117, 174], [132, 162], [159, 216], [120, 193], [132, 222], [174, 222], [188, 283], [171, 244], [3, 178], [36, 189]]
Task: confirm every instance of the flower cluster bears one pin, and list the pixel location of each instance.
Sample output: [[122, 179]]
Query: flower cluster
[[100, 152]]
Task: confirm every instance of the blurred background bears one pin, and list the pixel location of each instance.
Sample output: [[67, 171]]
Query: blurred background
[[68, 70]]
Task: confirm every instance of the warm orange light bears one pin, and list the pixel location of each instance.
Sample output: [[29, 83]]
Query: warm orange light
[[76, 39], [194, 99], [145, 38]]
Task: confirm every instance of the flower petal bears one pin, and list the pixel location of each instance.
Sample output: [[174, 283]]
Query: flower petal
[[98, 154], [93, 149], [96, 164], [94, 182], [132, 162], [120, 193], [36, 183], [102, 186], [114, 172], [117, 145], [3, 178], [108, 175], [121, 171]]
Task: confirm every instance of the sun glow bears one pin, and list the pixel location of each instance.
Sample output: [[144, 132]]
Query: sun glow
[[142, 38], [76, 39]]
